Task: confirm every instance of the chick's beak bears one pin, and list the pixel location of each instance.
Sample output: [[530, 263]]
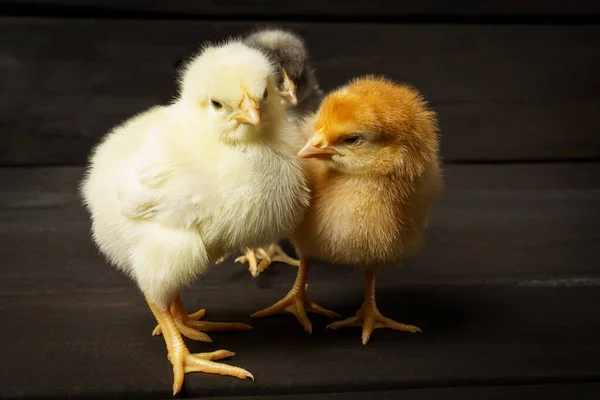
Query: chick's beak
[[250, 113], [316, 149], [290, 96], [289, 89]]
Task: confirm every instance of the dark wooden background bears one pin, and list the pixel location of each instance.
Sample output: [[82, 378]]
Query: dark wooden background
[[511, 80], [506, 290]]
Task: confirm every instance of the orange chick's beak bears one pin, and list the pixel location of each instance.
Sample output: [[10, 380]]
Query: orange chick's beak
[[289, 89], [250, 113], [312, 151]]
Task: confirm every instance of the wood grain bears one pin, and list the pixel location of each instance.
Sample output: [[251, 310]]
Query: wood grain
[[502, 92], [315, 8], [527, 225], [580, 391], [504, 292]]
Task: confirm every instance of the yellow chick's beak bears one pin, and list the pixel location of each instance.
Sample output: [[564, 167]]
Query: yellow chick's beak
[[250, 113], [315, 149], [289, 89]]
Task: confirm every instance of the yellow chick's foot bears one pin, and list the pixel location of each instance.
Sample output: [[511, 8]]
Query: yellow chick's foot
[[297, 303], [191, 327], [369, 316], [181, 358], [258, 263]]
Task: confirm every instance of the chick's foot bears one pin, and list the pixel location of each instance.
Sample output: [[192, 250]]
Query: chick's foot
[[260, 259], [222, 258], [297, 303], [369, 316], [191, 327], [183, 361], [370, 319]]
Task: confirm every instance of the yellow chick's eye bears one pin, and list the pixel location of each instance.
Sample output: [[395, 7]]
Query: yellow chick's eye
[[215, 104], [265, 94]]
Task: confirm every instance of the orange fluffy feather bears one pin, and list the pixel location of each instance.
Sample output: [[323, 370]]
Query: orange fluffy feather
[[374, 173], [371, 205]]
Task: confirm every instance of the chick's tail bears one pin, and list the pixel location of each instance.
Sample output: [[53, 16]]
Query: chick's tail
[[181, 358]]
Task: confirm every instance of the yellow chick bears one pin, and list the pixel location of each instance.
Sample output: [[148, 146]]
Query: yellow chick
[[375, 175], [175, 187]]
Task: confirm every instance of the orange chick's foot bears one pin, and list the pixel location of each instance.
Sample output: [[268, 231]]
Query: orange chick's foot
[[369, 316], [191, 327], [297, 303], [260, 259], [183, 361], [370, 319]]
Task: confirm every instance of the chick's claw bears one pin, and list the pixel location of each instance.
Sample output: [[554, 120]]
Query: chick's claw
[[194, 330], [258, 263], [250, 258], [370, 319], [276, 254], [180, 357], [184, 362], [222, 258], [190, 326], [296, 302], [369, 316]]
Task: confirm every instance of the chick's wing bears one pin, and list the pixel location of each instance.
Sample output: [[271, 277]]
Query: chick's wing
[[142, 183]]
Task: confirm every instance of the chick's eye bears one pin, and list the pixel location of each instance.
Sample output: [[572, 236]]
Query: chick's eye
[[215, 104], [265, 94], [354, 139]]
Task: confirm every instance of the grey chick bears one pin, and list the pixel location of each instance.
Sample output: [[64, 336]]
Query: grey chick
[[300, 95], [297, 84]]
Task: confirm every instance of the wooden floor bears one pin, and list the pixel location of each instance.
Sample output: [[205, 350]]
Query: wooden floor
[[506, 293], [506, 290]]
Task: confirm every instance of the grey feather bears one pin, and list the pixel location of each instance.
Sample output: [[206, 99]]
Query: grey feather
[[289, 51]]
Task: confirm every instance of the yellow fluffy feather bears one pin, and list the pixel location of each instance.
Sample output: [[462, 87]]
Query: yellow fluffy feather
[[174, 188]]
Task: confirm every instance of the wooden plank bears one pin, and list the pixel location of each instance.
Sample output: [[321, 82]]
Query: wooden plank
[[312, 8], [96, 343], [544, 218], [504, 292], [503, 92], [552, 391], [487, 292]]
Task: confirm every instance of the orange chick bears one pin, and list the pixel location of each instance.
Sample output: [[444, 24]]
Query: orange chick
[[375, 174]]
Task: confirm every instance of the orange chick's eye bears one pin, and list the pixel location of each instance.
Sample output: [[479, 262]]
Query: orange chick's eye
[[353, 139]]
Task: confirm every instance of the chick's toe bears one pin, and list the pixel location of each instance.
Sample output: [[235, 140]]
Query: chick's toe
[[250, 258], [222, 258], [276, 254], [370, 319], [296, 302], [182, 360], [190, 326], [369, 316], [258, 263]]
